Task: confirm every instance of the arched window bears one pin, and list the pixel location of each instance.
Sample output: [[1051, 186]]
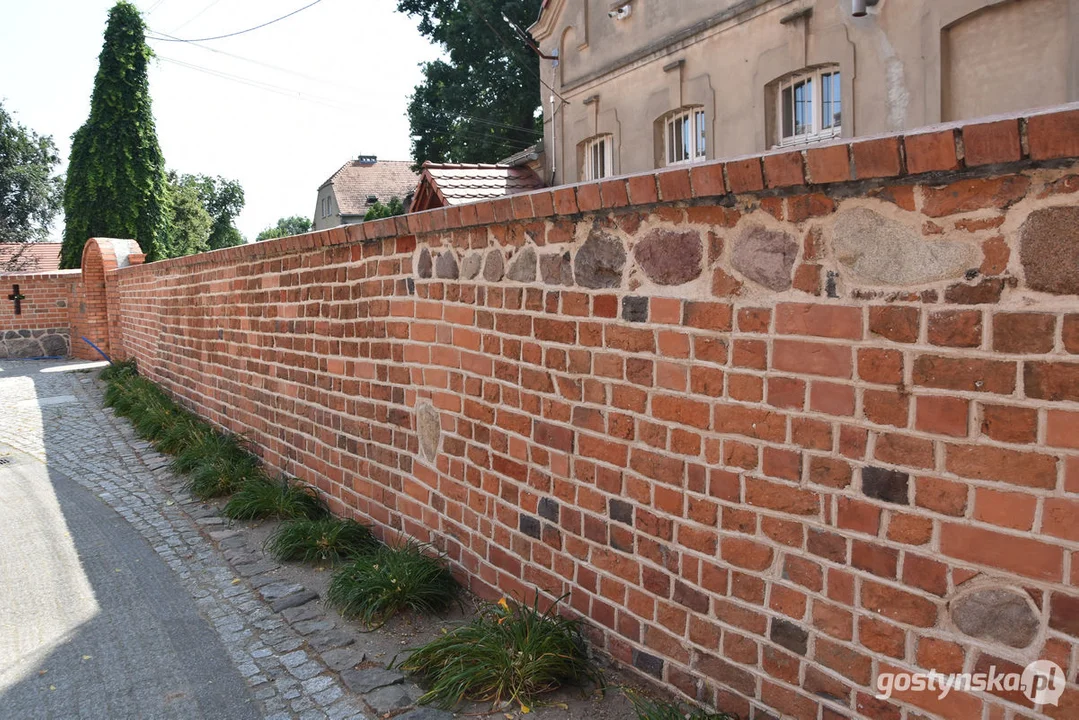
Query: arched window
[[685, 136], [597, 161], [809, 106]]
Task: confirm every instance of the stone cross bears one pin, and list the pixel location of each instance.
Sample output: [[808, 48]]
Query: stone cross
[[17, 297]]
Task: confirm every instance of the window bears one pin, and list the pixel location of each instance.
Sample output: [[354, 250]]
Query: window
[[686, 136], [810, 106], [597, 157], [326, 206]]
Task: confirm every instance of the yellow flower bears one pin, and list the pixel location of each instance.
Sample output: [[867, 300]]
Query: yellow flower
[[505, 605], [525, 708]]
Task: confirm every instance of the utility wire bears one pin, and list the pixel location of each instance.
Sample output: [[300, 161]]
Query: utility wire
[[195, 17], [510, 51], [313, 78], [240, 32], [506, 143]]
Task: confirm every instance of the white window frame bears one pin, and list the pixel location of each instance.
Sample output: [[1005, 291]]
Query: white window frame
[[326, 206], [685, 136], [598, 157], [817, 129]]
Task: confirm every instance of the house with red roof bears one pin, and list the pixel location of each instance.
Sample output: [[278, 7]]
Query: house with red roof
[[37, 257], [349, 193]]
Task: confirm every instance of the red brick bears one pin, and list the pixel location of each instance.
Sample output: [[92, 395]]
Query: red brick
[[882, 637], [931, 152], [1028, 333], [986, 462], [1053, 135], [832, 398], [1016, 554], [910, 529], [943, 656], [708, 316], [830, 472], [613, 194], [754, 320], [707, 180], [942, 415], [1051, 381], [967, 374], [880, 366], [994, 142], [955, 328], [1006, 509], [886, 407], [745, 175], [974, 194], [1071, 334], [565, 201], [1010, 424], [876, 158], [831, 321], [899, 605], [674, 185], [833, 620], [828, 164], [904, 450], [786, 393], [746, 553], [1060, 518], [642, 189], [781, 497], [955, 705], [858, 516], [1062, 429], [812, 358], [784, 169], [898, 323], [809, 205], [943, 496], [681, 410]]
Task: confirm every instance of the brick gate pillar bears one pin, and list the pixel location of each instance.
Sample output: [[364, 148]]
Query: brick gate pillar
[[90, 316]]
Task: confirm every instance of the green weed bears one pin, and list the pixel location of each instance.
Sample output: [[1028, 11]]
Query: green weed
[[264, 498], [374, 587], [325, 540], [509, 653]]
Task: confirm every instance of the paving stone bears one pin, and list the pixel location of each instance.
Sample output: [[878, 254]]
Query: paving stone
[[294, 600], [329, 640], [387, 699], [310, 611], [306, 627], [425, 713], [364, 681], [280, 590], [342, 658]]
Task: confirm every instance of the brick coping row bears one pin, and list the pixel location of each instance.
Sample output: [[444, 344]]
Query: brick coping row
[[40, 275], [1033, 136]]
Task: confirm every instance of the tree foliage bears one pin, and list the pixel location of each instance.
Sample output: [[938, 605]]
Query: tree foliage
[[116, 184], [378, 210], [189, 221], [224, 200], [30, 194], [286, 227], [480, 104]]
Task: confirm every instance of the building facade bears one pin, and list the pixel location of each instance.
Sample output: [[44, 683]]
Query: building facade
[[638, 85]]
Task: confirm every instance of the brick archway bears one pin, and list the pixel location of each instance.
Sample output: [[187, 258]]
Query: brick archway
[[90, 311]]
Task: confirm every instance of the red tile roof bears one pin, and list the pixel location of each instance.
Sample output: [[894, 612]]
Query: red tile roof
[[356, 180], [37, 257], [458, 183]]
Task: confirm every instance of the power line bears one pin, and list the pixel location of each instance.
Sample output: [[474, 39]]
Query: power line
[[240, 32], [506, 143], [195, 17], [338, 86], [509, 50]]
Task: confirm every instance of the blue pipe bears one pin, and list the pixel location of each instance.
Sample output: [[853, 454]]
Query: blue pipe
[[95, 347]]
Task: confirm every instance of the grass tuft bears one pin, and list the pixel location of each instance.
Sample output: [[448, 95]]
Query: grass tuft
[[216, 464], [509, 653], [118, 371], [324, 540], [374, 587], [264, 498], [648, 709]]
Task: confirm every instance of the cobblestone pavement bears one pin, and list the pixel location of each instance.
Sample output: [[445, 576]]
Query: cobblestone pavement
[[57, 418]]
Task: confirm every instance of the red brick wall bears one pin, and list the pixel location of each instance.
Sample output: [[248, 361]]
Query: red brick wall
[[47, 300], [771, 423]]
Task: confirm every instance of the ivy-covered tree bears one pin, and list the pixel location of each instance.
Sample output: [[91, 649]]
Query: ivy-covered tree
[[224, 200], [479, 104], [286, 227], [30, 194], [116, 184], [189, 221], [378, 210]]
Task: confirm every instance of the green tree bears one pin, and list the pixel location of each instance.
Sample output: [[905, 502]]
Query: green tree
[[30, 194], [116, 185], [378, 210], [286, 227], [223, 199], [480, 104], [189, 221]]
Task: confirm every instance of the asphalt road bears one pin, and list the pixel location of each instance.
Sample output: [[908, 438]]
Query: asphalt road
[[93, 624]]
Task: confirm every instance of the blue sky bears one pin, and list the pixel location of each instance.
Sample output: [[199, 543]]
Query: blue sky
[[342, 73]]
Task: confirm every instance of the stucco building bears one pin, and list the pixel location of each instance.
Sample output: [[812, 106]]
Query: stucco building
[[643, 84]]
